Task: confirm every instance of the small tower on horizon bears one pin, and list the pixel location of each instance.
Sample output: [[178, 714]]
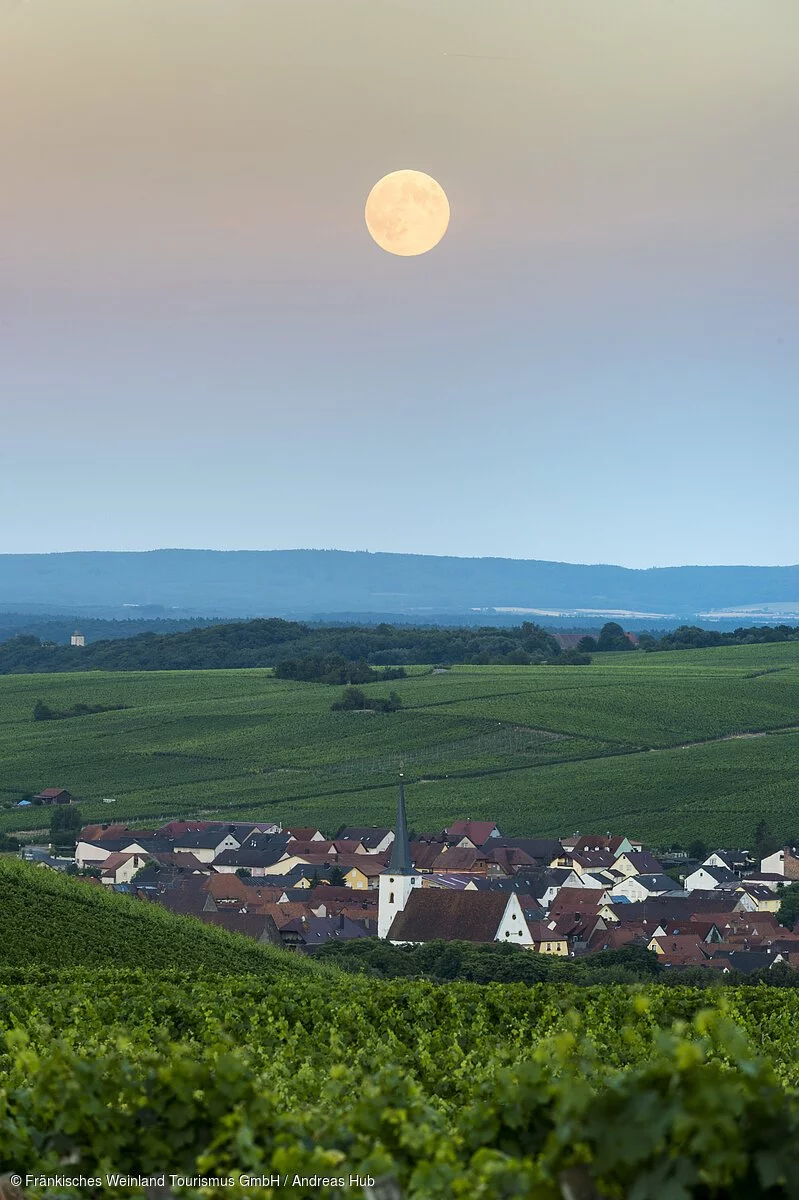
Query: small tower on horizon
[[399, 879], [77, 639]]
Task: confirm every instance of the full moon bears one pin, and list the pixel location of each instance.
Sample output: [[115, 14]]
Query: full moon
[[407, 212]]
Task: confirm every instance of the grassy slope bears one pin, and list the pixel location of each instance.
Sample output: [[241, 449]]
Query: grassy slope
[[244, 743], [51, 921]]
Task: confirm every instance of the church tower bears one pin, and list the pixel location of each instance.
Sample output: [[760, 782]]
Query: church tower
[[399, 879]]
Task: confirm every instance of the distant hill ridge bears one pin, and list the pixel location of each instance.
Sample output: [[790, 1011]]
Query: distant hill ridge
[[302, 582]]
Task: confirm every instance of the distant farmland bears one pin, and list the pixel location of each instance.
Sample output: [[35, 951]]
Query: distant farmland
[[656, 744]]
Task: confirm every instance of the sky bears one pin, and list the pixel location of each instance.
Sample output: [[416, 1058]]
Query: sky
[[201, 345]]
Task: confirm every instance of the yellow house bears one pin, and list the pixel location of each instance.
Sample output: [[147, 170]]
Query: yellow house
[[762, 897], [546, 940], [363, 876]]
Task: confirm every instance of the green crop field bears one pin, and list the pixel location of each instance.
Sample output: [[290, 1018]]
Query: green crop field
[[665, 746]]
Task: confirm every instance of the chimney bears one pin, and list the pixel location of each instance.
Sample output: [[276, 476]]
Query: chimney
[[341, 921]]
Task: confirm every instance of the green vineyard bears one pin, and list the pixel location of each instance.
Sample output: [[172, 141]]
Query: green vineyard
[[666, 746], [500, 1091], [136, 1043]]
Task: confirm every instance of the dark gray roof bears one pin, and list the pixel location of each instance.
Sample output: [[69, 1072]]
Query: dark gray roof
[[263, 841], [370, 837], [117, 845], [658, 881], [246, 857], [315, 931], [400, 862], [522, 886], [291, 878], [206, 839], [745, 961], [543, 848], [644, 862], [720, 874]]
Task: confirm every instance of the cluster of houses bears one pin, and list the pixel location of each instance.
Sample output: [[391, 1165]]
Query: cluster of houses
[[570, 896]]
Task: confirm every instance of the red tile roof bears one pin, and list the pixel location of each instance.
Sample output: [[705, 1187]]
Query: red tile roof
[[478, 832]]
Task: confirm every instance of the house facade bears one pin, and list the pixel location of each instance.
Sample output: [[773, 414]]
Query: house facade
[[783, 862]]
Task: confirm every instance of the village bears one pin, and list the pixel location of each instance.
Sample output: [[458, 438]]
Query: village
[[571, 896]]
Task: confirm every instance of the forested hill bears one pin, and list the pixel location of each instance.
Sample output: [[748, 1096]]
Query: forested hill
[[304, 582], [322, 650], [265, 643]]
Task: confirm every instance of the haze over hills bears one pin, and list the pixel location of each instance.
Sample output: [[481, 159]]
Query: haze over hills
[[302, 583]]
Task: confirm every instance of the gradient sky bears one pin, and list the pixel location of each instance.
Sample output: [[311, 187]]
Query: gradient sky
[[201, 346]]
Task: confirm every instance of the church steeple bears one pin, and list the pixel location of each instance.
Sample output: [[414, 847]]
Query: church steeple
[[399, 878], [400, 863]]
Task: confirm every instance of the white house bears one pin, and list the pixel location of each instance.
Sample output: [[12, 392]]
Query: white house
[[708, 879], [641, 887], [782, 862], [94, 854], [206, 844], [599, 880]]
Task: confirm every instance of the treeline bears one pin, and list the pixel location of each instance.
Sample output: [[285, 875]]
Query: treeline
[[469, 962], [692, 637], [57, 629], [43, 712], [272, 642], [335, 669], [354, 700]]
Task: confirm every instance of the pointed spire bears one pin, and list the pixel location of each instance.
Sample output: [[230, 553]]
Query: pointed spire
[[400, 863]]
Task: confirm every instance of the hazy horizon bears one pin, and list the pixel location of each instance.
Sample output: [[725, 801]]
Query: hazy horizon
[[201, 345], [379, 550]]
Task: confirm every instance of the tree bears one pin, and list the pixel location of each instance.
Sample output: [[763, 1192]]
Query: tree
[[65, 825], [613, 637], [244, 873], [337, 878], [574, 658], [587, 645], [765, 841], [351, 698], [788, 912], [42, 711], [698, 850]]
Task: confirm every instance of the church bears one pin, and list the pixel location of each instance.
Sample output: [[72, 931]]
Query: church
[[410, 913]]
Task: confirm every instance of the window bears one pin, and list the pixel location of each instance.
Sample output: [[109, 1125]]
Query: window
[[513, 915], [391, 898]]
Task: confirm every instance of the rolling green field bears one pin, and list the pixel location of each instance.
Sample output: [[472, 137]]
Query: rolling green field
[[667, 747]]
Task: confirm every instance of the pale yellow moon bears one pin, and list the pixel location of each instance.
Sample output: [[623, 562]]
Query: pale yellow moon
[[407, 212]]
